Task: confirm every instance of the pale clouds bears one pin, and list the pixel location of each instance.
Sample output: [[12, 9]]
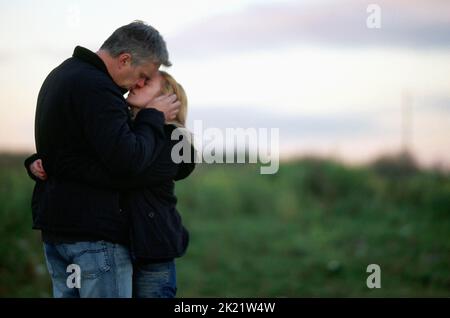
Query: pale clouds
[[414, 24]]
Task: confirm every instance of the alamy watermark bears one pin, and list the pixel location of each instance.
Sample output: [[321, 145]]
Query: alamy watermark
[[374, 19], [74, 279], [73, 16], [374, 279], [231, 145]]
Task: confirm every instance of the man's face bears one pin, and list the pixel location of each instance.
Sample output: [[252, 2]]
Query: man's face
[[130, 76], [141, 96]]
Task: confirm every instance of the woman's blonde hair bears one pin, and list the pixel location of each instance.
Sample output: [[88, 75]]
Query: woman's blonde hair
[[170, 86]]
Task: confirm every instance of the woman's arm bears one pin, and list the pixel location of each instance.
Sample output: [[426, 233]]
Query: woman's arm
[[186, 168], [28, 166], [83, 169], [86, 169]]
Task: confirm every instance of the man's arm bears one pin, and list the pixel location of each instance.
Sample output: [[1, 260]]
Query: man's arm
[[87, 170], [104, 119], [84, 169]]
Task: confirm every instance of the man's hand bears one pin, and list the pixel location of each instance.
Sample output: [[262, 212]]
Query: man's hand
[[37, 169], [167, 104]]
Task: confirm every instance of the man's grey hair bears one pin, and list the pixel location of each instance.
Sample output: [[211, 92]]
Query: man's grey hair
[[141, 41]]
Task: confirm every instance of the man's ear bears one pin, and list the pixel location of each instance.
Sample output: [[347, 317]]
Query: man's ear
[[124, 59]]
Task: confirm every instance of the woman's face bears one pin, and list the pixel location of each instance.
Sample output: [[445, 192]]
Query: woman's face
[[139, 97]]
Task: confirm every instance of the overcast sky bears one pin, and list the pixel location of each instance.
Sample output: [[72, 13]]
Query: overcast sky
[[311, 68]]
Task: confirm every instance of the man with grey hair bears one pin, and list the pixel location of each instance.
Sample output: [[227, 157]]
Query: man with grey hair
[[81, 113]]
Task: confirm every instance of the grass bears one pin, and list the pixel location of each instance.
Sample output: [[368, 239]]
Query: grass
[[310, 230]]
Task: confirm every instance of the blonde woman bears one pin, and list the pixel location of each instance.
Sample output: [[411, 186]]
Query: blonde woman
[[157, 235]]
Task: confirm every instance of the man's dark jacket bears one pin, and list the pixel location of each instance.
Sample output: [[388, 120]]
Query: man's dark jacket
[[82, 112], [156, 229]]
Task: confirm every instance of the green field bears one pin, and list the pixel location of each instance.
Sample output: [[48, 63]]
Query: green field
[[310, 230]]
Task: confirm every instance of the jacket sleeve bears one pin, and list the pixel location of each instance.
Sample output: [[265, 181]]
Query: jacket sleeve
[[104, 119], [88, 170], [186, 168], [85, 169], [27, 164]]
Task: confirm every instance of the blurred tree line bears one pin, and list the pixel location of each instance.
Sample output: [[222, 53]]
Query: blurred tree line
[[309, 230]]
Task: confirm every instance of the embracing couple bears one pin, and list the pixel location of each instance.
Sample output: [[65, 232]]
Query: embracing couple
[[104, 196]]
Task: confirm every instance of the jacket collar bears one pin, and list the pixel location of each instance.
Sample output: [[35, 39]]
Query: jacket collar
[[93, 59]]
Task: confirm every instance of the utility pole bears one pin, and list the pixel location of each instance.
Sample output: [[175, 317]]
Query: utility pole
[[407, 113]]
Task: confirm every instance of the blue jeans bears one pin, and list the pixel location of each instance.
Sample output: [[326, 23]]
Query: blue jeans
[[105, 269], [156, 280]]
